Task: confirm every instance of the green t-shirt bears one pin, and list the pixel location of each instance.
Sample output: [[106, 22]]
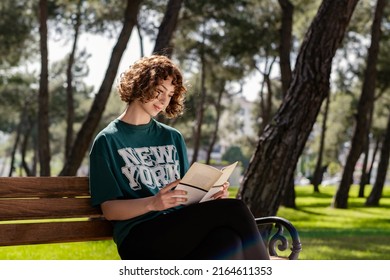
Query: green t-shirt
[[129, 161]]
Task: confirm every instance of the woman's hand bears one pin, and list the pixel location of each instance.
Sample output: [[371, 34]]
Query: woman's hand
[[224, 193], [168, 198], [124, 209]]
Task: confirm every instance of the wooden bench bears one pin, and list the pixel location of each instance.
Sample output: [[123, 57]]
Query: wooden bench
[[41, 210]]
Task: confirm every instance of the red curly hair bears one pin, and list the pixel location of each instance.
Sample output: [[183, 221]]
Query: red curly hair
[[142, 78]]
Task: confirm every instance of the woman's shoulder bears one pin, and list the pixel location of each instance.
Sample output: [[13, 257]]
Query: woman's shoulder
[[111, 128], [167, 128], [109, 131]]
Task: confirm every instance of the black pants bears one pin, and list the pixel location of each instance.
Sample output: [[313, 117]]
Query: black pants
[[218, 229]]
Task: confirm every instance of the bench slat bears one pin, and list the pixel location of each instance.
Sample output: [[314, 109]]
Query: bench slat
[[42, 233], [21, 187], [46, 208]]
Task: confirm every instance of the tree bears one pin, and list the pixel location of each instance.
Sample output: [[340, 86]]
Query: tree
[[286, 76], [319, 169], [85, 134], [69, 82], [16, 22], [376, 193], [167, 28], [364, 111], [43, 99], [279, 147]]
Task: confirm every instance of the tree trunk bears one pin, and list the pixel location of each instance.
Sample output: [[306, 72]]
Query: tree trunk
[[365, 106], [280, 146], [377, 143], [167, 28], [16, 143], [319, 170], [286, 76], [85, 135], [285, 43], [363, 177], [200, 108], [43, 99], [376, 193], [218, 110], [141, 41], [26, 137], [266, 101], [69, 84]]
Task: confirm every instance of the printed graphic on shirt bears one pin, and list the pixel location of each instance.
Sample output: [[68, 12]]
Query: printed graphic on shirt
[[150, 166]]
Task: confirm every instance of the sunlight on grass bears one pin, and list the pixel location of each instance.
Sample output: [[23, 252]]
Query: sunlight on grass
[[358, 232], [94, 250]]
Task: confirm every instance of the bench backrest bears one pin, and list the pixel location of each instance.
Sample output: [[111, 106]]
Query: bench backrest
[[36, 210]]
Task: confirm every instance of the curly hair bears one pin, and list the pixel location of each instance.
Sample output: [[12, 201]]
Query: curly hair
[[141, 79]]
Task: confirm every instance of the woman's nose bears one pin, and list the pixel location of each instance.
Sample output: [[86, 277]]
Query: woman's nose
[[162, 98]]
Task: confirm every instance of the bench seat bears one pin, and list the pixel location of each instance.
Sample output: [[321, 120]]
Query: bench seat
[[40, 210]]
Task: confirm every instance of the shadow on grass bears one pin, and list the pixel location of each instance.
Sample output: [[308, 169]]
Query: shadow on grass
[[347, 248]]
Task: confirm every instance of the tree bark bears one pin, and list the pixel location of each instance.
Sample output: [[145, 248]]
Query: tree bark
[[26, 137], [376, 193], [85, 135], [286, 76], [319, 170], [377, 143], [16, 143], [69, 84], [363, 177], [266, 99], [365, 107], [43, 99], [285, 43], [167, 28], [280, 146], [218, 110], [200, 106]]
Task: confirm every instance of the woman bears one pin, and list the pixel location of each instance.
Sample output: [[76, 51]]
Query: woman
[[135, 165]]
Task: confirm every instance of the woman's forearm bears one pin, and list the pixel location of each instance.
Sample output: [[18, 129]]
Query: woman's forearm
[[127, 208]]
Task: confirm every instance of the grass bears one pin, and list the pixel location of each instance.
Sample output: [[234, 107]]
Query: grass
[[356, 233]]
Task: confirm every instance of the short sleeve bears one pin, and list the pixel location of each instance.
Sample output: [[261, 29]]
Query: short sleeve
[[102, 183]]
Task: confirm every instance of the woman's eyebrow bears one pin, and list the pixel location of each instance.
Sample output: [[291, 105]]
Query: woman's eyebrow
[[166, 88]]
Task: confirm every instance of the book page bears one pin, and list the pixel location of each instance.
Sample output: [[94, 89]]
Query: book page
[[201, 176], [202, 181], [210, 193], [193, 194], [226, 173]]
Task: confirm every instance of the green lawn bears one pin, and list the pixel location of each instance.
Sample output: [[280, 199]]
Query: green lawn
[[358, 232]]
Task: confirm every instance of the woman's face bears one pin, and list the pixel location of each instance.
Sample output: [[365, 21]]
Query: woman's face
[[164, 93]]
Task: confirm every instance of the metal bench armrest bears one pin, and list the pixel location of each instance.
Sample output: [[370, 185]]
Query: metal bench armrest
[[267, 227]]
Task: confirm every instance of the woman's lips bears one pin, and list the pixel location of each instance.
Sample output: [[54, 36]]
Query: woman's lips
[[158, 108]]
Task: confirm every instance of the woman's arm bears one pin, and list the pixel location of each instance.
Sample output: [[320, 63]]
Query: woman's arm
[[124, 209]]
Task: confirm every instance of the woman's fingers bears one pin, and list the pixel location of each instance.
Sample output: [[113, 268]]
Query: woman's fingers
[[169, 187]]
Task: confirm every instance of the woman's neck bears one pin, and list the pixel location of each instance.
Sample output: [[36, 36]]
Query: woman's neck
[[134, 115]]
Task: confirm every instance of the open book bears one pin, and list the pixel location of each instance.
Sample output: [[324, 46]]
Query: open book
[[202, 181]]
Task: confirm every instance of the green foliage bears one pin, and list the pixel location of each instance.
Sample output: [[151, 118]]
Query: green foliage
[[235, 153], [334, 168], [17, 21]]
